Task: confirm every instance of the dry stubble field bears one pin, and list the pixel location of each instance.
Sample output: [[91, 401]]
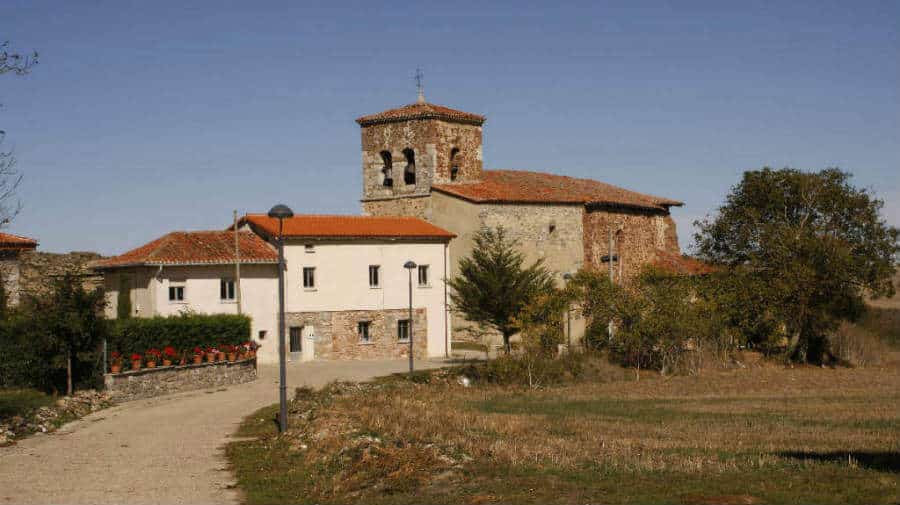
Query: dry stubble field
[[763, 434]]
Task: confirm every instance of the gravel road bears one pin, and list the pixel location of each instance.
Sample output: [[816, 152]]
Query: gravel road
[[165, 450]]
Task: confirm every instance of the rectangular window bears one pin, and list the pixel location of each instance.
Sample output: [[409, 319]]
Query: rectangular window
[[226, 290], [403, 330], [176, 292], [309, 277], [374, 282], [296, 332], [423, 275], [362, 329], [309, 248]]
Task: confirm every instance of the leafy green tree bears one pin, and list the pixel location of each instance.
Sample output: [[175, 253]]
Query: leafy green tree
[[494, 285], [71, 319], [813, 244]]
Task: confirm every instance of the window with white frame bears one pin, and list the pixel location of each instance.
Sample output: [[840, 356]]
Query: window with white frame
[[362, 329], [176, 292], [374, 276], [309, 277], [227, 291], [423, 275], [403, 330]]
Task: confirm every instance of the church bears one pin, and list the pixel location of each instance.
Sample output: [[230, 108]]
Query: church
[[425, 160]]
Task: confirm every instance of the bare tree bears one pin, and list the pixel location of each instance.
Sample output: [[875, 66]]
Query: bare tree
[[17, 64]]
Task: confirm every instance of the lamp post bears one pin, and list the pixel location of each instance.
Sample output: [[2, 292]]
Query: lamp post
[[281, 212], [410, 266], [567, 277]]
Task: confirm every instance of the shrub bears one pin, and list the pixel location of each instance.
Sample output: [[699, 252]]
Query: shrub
[[855, 346], [182, 332]]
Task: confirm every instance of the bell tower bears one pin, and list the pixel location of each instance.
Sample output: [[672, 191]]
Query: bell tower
[[407, 149]]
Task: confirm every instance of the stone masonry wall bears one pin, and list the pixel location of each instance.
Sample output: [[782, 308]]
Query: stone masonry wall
[[39, 269], [337, 337], [637, 237], [151, 382], [419, 207], [432, 142]]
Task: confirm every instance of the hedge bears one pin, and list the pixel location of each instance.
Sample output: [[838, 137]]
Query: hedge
[[183, 332]]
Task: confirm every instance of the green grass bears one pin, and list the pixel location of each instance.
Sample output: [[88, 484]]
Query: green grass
[[20, 402]]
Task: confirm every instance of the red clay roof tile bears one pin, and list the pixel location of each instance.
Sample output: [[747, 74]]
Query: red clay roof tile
[[421, 111], [321, 226], [195, 247], [682, 265], [519, 186], [10, 241]]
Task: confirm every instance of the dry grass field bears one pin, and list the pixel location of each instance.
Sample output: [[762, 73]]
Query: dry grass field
[[761, 434]]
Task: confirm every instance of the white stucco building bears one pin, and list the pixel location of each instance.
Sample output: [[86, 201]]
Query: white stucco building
[[346, 289]]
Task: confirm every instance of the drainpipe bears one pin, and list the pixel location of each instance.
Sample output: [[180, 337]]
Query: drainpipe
[[446, 311]]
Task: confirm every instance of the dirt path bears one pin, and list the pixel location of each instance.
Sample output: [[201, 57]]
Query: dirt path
[[166, 450]]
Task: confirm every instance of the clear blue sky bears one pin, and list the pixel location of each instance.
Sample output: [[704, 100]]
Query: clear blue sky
[[146, 117]]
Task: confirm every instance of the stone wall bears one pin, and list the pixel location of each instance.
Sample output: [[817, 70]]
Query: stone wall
[[637, 235], [418, 206], [432, 141], [10, 273], [337, 336], [40, 269], [151, 382]]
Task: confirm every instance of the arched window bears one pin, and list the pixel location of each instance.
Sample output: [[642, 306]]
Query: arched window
[[454, 164], [387, 178], [409, 173]]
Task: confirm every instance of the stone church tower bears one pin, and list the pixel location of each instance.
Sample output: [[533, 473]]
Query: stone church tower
[[406, 151]]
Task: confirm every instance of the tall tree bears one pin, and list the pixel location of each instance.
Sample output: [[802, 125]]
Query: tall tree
[[15, 63], [494, 284], [815, 243], [72, 319]]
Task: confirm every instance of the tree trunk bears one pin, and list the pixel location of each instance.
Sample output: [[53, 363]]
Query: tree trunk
[[69, 373]]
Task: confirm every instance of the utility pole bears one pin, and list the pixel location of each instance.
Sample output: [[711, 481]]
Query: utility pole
[[611, 277], [237, 264]]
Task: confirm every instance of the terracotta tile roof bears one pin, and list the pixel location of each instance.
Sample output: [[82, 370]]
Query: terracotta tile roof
[[195, 248], [682, 265], [421, 111], [319, 226], [519, 186], [10, 241]]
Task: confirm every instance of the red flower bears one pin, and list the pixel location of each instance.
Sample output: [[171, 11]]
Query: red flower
[[152, 353], [198, 350], [136, 357], [169, 351], [116, 355]]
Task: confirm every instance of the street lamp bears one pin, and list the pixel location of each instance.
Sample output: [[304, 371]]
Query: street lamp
[[281, 212], [410, 266], [567, 277]]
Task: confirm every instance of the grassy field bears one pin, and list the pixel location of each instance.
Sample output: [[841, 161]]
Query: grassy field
[[18, 402], [764, 434]]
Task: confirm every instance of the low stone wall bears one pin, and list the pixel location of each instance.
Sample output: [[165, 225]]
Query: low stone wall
[[150, 382]]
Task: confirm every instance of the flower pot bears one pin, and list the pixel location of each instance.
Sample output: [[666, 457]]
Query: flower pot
[[232, 356], [198, 358], [136, 365], [210, 357], [167, 362], [220, 356], [151, 364], [115, 368]]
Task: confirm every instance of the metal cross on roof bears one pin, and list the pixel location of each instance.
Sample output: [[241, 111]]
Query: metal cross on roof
[[420, 91]]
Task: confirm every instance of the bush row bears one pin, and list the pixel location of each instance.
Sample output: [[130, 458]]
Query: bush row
[[187, 331]]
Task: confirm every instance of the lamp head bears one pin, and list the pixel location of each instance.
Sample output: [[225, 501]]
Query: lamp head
[[281, 211], [409, 265], [567, 276]]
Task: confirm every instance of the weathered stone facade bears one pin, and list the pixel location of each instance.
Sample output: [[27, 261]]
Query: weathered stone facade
[[337, 335], [30, 273], [151, 382], [418, 206], [637, 236]]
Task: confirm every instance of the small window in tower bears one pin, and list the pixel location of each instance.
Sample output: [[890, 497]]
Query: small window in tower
[[454, 164], [409, 173], [552, 228], [387, 179]]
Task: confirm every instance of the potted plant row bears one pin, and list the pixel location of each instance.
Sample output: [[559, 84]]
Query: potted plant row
[[169, 355]]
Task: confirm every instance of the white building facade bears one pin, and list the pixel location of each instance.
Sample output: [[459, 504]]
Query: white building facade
[[347, 293]]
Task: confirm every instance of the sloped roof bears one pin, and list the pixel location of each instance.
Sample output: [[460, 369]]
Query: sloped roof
[[421, 111], [323, 226], [519, 186], [10, 241], [682, 265], [195, 248]]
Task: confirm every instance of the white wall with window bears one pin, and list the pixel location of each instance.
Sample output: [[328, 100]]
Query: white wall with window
[[368, 274]]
